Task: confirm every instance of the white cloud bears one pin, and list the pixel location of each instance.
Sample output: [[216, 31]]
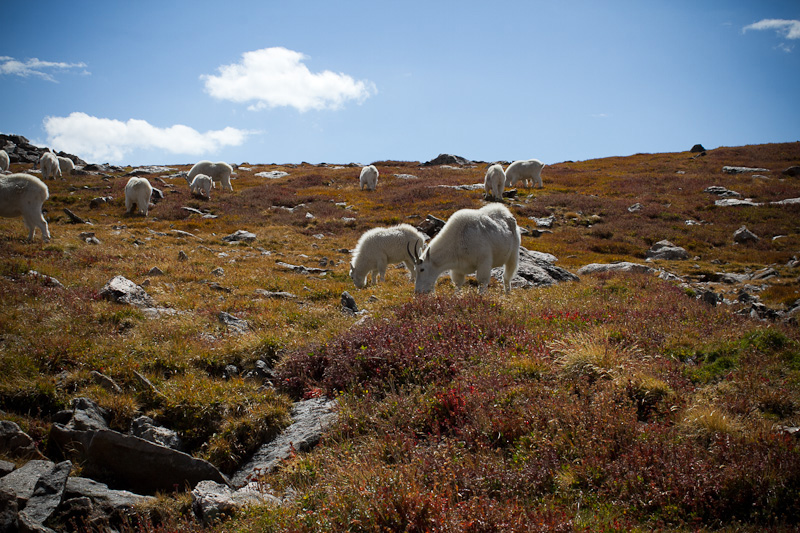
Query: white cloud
[[277, 77], [36, 68], [103, 139], [788, 29]]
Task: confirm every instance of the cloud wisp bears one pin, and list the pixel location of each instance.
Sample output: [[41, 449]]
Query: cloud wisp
[[277, 77], [36, 68], [787, 29], [103, 139]]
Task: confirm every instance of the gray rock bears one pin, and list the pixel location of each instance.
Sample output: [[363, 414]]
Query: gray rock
[[536, 269], [15, 442], [128, 462], [273, 175], [106, 382], [710, 297], [145, 428], [219, 272], [155, 271], [182, 256], [22, 481], [99, 201], [742, 170], [735, 202], [431, 225], [47, 493], [280, 295], [233, 322], [87, 415], [595, 268], [8, 511], [697, 148], [349, 303], [6, 467], [123, 290], [107, 499], [635, 208], [212, 500], [230, 372], [764, 274], [544, 222], [721, 191], [791, 171], [666, 250], [72, 431], [240, 236], [744, 235], [447, 159], [311, 417], [47, 281]]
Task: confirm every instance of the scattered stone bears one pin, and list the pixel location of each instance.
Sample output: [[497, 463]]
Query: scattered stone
[[280, 295], [734, 202], [721, 191], [212, 501], [47, 281], [545, 222], [697, 148], [744, 235], [6, 467], [198, 212], [147, 385], [182, 256], [349, 303], [47, 493], [311, 418], [273, 175], [123, 290], [145, 428], [764, 274], [447, 159], [234, 323], [75, 219], [624, 266], [22, 481], [666, 250], [214, 286], [431, 225], [16, 443], [791, 171], [179, 233], [710, 297], [240, 236], [116, 505], [300, 269], [88, 237], [230, 372], [742, 170], [9, 509], [106, 382], [219, 271], [536, 269], [406, 176], [635, 208], [102, 200]]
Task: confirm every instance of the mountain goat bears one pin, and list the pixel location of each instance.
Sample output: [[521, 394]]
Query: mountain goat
[[5, 162], [66, 165], [380, 247], [137, 192], [49, 165], [494, 182], [527, 171], [219, 171], [23, 195], [368, 178], [472, 240], [201, 184]]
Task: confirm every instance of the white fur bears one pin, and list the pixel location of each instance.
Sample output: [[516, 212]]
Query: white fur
[[48, 163], [137, 192], [4, 160], [472, 240], [201, 184], [66, 165], [527, 171], [494, 182], [23, 195], [219, 171], [368, 178], [380, 247]]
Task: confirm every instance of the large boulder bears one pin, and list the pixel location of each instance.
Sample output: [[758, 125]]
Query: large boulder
[[447, 159], [666, 250], [623, 266], [536, 269], [122, 290], [72, 430], [744, 236], [15, 442], [47, 493]]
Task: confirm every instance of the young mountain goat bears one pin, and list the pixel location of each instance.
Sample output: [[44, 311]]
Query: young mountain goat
[[22, 195], [220, 171], [380, 247]]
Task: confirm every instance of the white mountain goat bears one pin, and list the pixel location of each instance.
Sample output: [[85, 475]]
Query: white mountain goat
[[48, 163], [5, 162], [66, 165], [380, 247], [219, 171], [472, 240], [527, 171], [201, 184], [368, 178], [494, 182], [137, 192], [22, 195]]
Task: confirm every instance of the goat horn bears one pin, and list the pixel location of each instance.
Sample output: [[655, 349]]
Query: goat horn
[[413, 255]]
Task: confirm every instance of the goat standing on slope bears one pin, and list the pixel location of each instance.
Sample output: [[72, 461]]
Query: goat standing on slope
[[22, 195], [49, 166], [369, 178], [494, 182], [472, 240], [219, 171], [137, 192], [380, 247], [528, 171]]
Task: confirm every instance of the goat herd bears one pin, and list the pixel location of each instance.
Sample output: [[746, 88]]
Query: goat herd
[[472, 240]]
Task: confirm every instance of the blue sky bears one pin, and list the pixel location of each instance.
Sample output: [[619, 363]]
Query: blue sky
[[172, 82]]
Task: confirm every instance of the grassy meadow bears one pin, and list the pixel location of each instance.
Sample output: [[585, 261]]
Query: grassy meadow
[[617, 403]]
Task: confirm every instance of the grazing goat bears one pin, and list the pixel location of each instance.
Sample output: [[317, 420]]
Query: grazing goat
[[66, 165], [529, 172], [49, 165], [137, 192], [494, 182], [201, 184], [5, 162], [380, 247], [23, 195], [368, 178], [219, 171], [472, 240]]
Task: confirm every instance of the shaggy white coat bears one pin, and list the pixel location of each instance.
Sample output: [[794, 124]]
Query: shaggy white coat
[[66, 165], [5, 162], [494, 182], [368, 178], [22, 195], [380, 247], [472, 240], [527, 171], [137, 192], [201, 184], [219, 171], [49, 166]]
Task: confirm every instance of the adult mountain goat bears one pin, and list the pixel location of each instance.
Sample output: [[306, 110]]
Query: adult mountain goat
[[5, 162], [66, 165], [472, 240], [22, 195], [527, 171], [49, 166], [380, 247], [219, 171], [137, 192], [494, 182], [369, 178]]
